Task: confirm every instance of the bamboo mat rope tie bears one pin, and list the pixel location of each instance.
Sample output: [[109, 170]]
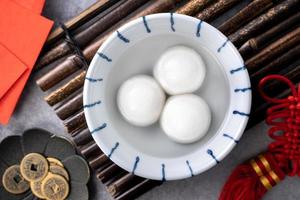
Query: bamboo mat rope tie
[[74, 46], [85, 36], [80, 19]]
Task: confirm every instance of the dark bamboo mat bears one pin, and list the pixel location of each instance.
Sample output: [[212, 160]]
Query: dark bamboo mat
[[266, 32]]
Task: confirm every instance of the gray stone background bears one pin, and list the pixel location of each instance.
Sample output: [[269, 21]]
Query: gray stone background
[[32, 111]]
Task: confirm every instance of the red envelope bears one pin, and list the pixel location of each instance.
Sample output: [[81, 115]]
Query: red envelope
[[11, 68], [34, 5], [24, 34]]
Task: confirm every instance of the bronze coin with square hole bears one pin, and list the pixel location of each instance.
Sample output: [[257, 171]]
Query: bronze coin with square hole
[[36, 188], [54, 161], [55, 187], [13, 181], [34, 167], [59, 171]]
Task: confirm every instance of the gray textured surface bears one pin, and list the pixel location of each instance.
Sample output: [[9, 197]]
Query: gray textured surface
[[32, 111]]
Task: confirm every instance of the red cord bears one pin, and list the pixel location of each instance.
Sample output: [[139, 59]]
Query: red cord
[[284, 117]]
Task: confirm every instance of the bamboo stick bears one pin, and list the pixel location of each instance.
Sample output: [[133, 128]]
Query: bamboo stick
[[59, 73], [98, 161], [70, 107], [277, 64], [66, 90], [115, 178], [193, 7], [107, 173], [245, 15], [68, 66], [138, 189], [83, 137], [122, 184], [263, 22], [90, 150], [255, 44], [78, 20], [216, 9], [91, 32], [75, 122], [273, 50], [79, 129]]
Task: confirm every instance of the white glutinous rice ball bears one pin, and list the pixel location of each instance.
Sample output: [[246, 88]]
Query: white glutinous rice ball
[[180, 70], [141, 100], [185, 118]]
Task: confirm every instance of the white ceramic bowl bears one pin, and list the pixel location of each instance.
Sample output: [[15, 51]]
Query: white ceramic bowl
[[134, 49]]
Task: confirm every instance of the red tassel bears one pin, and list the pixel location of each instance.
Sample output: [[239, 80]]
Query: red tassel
[[251, 180], [245, 184]]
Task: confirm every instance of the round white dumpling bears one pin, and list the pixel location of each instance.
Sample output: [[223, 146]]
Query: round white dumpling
[[185, 118], [141, 100], [180, 70]]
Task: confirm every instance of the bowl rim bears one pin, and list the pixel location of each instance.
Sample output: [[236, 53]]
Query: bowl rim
[[190, 168]]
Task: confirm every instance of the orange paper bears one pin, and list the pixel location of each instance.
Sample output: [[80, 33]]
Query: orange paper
[[24, 34], [11, 68], [34, 5]]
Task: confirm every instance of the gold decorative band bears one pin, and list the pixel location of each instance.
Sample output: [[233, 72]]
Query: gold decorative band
[[256, 167], [268, 168], [274, 176], [265, 182], [265, 162]]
